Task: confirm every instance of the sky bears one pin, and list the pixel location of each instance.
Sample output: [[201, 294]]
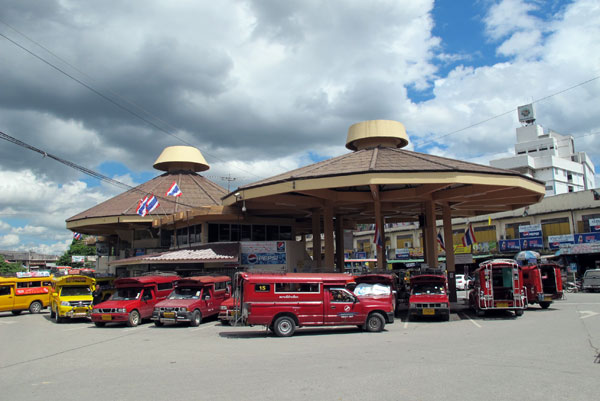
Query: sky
[[263, 87]]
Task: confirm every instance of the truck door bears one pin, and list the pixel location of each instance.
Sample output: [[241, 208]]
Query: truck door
[[342, 307], [7, 297], [208, 298], [148, 301]]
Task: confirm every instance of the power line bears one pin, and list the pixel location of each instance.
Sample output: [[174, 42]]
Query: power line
[[86, 170], [505, 113]]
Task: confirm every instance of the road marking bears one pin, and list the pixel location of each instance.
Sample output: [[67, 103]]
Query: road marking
[[204, 327], [42, 383], [471, 320], [7, 321], [588, 313], [77, 328], [406, 324]]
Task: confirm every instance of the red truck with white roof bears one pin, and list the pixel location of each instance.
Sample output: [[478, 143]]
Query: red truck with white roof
[[429, 296], [193, 299], [282, 302], [133, 300]]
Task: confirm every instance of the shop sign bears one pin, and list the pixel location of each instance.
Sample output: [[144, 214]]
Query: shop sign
[[510, 245], [555, 241], [595, 225], [531, 243], [532, 230], [587, 238], [361, 255], [463, 259], [402, 253]]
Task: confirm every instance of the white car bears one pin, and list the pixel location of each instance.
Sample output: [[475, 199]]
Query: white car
[[462, 282]]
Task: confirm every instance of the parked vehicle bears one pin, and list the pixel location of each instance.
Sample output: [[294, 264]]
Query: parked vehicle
[[104, 288], [498, 285], [134, 300], [543, 283], [591, 280], [429, 296], [193, 299], [229, 311], [377, 284], [462, 282], [27, 292], [71, 296], [573, 286], [283, 302]]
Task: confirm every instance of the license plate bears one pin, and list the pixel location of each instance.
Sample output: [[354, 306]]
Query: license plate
[[429, 311], [502, 304], [547, 298], [106, 317], [169, 315]]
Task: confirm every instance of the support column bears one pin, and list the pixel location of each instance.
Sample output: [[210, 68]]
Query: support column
[[328, 233], [316, 233], [431, 255], [381, 257], [449, 245], [339, 243]]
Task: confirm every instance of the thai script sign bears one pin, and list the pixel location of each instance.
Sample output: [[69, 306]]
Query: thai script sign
[[532, 230]]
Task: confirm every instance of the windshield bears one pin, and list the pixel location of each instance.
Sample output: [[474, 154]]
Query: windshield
[[428, 288], [70, 291], [126, 294], [185, 293]]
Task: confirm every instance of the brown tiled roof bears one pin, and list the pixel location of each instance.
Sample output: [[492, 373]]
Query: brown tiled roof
[[381, 160], [213, 252], [196, 191]]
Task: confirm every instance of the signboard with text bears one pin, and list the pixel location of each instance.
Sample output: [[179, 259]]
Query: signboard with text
[[531, 243], [595, 225], [532, 230], [510, 245], [587, 238], [555, 241]]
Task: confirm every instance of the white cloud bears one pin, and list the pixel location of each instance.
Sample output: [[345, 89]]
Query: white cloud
[[9, 240]]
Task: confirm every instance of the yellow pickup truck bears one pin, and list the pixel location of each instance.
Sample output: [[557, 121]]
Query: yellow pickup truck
[[71, 297]]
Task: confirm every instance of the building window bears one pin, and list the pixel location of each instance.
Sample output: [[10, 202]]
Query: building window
[[570, 188]]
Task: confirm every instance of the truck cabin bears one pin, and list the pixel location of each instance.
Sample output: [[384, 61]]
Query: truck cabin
[[191, 287]]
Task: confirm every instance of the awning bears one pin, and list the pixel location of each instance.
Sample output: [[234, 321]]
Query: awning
[[218, 252]]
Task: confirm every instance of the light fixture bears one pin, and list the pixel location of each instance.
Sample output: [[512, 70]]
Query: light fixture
[[244, 206]]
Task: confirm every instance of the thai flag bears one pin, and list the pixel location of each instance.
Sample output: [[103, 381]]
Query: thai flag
[[152, 204], [440, 241], [469, 236], [77, 236], [174, 190], [377, 240], [141, 207]]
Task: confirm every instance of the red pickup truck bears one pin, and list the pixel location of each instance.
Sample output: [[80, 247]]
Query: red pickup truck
[[543, 283], [282, 302], [193, 299], [133, 300], [429, 296]]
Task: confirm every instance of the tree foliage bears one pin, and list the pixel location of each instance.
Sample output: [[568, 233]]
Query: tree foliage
[[77, 248], [6, 267]]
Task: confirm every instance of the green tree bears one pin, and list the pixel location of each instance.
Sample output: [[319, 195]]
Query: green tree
[[77, 248], [6, 267]]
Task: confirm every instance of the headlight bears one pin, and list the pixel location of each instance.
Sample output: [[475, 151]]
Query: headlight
[[223, 307], [65, 303], [121, 310], [183, 309], [156, 309]]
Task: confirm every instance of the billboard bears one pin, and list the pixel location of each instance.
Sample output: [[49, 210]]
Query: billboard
[[595, 225], [555, 241], [531, 230], [510, 245], [531, 243]]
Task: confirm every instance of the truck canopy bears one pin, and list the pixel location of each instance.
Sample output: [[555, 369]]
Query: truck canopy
[[325, 278], [200, 281], [143, 281]]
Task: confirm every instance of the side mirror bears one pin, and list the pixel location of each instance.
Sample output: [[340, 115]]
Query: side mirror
[[54, 294]]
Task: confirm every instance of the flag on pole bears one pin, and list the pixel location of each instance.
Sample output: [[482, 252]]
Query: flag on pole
[[152, 204], [141, 207], [469, 236], [174, 190], [489, 221], [377, 240], [77, 236], [440, 240]]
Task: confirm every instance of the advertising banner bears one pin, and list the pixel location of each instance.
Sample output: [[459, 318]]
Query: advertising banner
[[531, 243], [510, 245], [532, 230], [361, 255], [402, 253], [595, 225], [77, 259], [555, 241], [263, 253], [587, 238]]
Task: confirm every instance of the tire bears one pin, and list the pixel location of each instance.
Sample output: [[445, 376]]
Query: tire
[[52, 313], [196, 318], [518, 312], [134, 318], [284, 326], [479, 312], [100, 324], [57, 318], [158, 323], [545, 305], [16, 312], [225, 323], [375, 322], [35, 307]]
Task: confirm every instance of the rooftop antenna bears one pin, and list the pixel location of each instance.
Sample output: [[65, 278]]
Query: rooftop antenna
[[229, 179]]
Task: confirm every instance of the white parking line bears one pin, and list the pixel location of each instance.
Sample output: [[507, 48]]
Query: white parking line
[[204, 327], [7, 321], [588, 313], [471, 320]]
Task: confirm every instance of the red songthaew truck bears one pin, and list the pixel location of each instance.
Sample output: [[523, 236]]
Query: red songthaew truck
[[193, 299], [133, 300], [429, 296], [498, 285], [282, 302], [543, 283]]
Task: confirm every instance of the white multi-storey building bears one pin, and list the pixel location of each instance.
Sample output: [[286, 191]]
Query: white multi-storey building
[[550, 157]]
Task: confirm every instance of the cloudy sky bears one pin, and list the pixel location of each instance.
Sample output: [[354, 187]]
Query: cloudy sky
[[261, 87]]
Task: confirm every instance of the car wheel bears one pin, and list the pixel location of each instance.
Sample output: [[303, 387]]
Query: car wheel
[[196, 318], [479, 312], [158, 323], [284, 326], [375, 322], [518, 312], [100, 324], [545, 305], [134, 318], [35, 307], [52, 313]]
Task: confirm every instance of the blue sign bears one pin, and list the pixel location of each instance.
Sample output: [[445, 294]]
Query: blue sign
[[403, 253], [555, 241], [594, 225], [509, 245], [586, 238], [263, 258], [529, 231], [531, 243], [361, 255]]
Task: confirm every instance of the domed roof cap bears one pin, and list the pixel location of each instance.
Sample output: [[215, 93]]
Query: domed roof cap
[[185, 158], [373, 133]]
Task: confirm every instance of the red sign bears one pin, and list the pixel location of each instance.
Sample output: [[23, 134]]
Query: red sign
[[31, 291]]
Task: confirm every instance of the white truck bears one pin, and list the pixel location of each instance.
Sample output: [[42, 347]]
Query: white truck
[[591, 280]]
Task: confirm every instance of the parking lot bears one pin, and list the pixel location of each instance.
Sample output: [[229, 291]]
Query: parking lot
[[544, 355]]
